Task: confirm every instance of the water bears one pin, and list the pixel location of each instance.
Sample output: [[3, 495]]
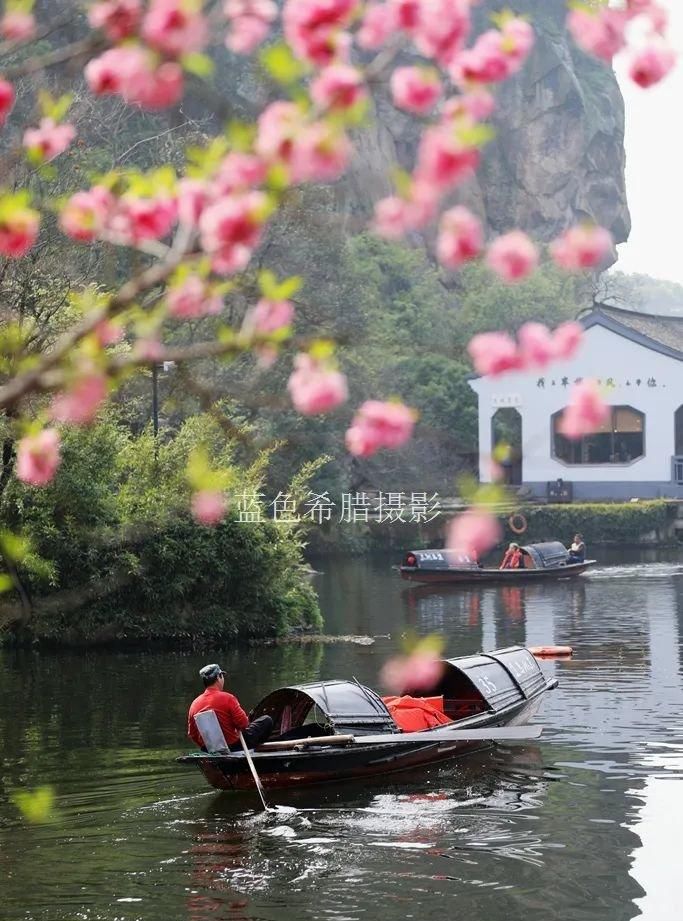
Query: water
[[583, 826]]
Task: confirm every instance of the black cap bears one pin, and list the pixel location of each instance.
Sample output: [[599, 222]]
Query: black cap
[[210, 672]]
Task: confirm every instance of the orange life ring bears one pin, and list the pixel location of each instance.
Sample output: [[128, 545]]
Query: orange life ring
[[518, 528]]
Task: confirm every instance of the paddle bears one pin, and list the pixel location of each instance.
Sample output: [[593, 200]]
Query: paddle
[[254, 773], [444, 733]]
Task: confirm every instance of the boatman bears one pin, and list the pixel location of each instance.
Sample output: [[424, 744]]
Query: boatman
[[512, 558], [231, 716]]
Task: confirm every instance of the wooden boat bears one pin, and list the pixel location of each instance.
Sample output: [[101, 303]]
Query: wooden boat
[[341, 730], [545, 561]]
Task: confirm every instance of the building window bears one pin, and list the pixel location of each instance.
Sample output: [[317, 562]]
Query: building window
[[620, 440]]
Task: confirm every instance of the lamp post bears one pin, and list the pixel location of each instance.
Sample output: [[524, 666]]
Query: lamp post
[[165, 367]]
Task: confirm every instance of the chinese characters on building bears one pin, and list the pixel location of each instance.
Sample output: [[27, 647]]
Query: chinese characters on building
[[609, 382], [352, 508]]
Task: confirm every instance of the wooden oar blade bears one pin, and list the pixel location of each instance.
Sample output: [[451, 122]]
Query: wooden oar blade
[[494, 734]]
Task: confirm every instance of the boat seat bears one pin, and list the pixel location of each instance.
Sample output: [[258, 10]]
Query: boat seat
[[457, 708], [210, 731]]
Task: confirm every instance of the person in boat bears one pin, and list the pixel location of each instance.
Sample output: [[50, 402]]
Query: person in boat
[[512, 558], [577, 551], [230, 715]]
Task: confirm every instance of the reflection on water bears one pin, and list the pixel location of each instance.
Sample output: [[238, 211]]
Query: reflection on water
[[578, 827]]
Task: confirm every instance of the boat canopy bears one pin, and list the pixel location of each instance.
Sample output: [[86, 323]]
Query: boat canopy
[[549, 555], [325, 708], [439, 559], [487, 681]]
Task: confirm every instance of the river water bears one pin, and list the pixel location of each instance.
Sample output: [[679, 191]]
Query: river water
[[583, 826]]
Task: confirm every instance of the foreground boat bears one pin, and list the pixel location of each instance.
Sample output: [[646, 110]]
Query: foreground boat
[[539, 562], [341, 730]]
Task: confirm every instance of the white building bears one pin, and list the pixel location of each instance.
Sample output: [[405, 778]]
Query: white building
[[638, 359]]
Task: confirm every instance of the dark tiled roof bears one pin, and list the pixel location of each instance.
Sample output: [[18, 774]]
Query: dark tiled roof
[[666, 331]]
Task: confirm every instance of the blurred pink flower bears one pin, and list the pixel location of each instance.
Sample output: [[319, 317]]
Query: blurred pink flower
[[118, 19], [600, 33], [338, 86], [443, 160], [474, 533], [175, 27], [321, 154], [651, 64], [79, 403], [269, 316], [161, 87], [149, 349], [461, 237], [477, 104], [315, 388], [415, 89], [440, 27], [512, 257], [581, 247], [18, 232], [38, 457], [239, 172], [379, 425], [566, 339], [85, 214], [493, 353], [277, 127], [209, 507], [246, 33], [193, 298], [108, 333], [231, 228], [313, 28], [192, 197], [7, 97], [378, 24], [17, 26], [586, 411], [536, 345], [49, 139], [138, 219], [420, 671], [117, 70], [496, 54]]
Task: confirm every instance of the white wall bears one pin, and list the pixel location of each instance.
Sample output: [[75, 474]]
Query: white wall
[[603, 354]]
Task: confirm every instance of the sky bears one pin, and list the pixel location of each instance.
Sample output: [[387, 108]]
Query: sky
[[654, 167]]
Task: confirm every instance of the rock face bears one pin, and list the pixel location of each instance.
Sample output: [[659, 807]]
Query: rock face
[[558, 156]]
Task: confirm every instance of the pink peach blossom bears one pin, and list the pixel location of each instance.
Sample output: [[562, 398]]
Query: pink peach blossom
[[117, 70], [379, 425], [512, 257], [496, 54], [138, 219], [581, 247], [239, 172], [38, 457], [49, 139], [315, 388], [262, 9], [278, 126], [161, 87], [269, 316], [314, 28], [461, 237], [192, 196], [321, 154], [18, 232], [231, 228], [586, 411], [193, 298], [395, 216], [118, 19], [17, 26], [415, 89], [566, 340], [651, 64], [246, 33], [80, 402], [209, 507], [493, 353], [537, 347], [407, 13], [338, 86], [7, 97], [108, 333], [85, 214], [149, 349], [474, 533], [441, 28], [175, 27], [443, 160], [478, 104], [379, 22], [420, 671], [600, 33]]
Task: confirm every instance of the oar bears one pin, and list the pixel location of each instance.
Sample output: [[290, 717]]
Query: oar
[[446, 734], [254, 773]]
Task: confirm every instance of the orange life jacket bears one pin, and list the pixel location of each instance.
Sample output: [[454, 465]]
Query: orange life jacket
[[414, 713]]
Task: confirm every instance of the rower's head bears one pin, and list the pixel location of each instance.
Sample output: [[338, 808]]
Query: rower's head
[[578, 538], [513, 546], [212, 675]]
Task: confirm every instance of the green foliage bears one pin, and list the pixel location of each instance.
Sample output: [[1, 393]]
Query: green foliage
[[123, 559], [597, 522]]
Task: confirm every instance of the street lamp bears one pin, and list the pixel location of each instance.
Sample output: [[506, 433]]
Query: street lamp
[[165, 366]]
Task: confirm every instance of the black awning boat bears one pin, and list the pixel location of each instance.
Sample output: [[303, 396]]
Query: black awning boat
[[341, 730], [549, 560]]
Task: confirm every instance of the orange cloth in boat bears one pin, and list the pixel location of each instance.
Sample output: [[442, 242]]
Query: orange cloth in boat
[[414, 713]]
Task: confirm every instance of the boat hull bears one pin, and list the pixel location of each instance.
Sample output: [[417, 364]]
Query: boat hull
[[485, 576], [287, 769]]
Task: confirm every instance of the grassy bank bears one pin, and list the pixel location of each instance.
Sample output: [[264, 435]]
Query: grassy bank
[[599, 523]]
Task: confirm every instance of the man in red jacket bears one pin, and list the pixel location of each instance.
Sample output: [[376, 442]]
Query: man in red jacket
[[230, 714]]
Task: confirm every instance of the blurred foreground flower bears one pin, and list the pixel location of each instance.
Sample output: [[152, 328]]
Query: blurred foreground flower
[[474, 532], [38, 457], [586, 412], [36, 806], [419, 669]]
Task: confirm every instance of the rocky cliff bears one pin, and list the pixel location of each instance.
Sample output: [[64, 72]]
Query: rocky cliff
[[558, 155]]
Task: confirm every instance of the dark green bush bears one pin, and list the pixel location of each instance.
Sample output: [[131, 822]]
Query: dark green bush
[[597, 522]]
